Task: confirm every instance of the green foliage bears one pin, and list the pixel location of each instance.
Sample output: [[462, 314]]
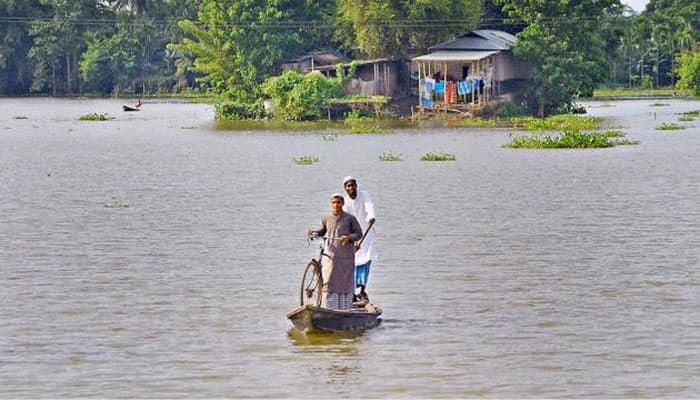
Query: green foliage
[[329, 138], [235, 110], [388, 156], [625, 142], [95, 117], [306, 160], [301, 97], [234, 45], [562, 122], [511, 109], [689, 72], [686, 119], [366, 127], [567, 140], [380, 28], [434, 156], [666, 126], [564, 45]]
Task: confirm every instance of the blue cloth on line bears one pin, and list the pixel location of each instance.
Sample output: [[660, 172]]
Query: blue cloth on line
[[440, 87]]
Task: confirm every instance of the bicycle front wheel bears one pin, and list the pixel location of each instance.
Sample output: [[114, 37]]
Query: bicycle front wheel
[[311, 285]]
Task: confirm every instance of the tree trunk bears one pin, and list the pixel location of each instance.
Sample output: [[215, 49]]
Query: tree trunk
[[68, 72], [540, 110], [53, 81]]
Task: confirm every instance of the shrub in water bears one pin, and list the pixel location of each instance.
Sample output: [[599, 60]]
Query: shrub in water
[[234, 110], [438, 157]]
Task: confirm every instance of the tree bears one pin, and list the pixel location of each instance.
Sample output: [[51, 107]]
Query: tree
[[564, 45], [689, 71], [58, 43], [15, 42], [384, 28], [235, 45], [300, 97]]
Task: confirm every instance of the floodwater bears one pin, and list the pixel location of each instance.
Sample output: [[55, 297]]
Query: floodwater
[[154, 256]]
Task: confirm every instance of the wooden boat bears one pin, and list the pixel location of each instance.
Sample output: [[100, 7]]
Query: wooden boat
[[308, 318], [129, 108]]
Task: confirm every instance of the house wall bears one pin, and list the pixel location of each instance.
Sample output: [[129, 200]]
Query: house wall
[[366, 84], [509, 67]]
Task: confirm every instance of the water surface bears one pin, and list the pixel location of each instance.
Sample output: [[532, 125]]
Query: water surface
[[153, 255]]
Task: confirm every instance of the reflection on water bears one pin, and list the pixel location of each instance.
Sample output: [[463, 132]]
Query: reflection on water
[[340, 340], [155, 255]]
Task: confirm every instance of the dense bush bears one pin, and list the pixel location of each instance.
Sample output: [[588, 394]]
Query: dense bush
[[233, 110], [689, 72], [301, 97]]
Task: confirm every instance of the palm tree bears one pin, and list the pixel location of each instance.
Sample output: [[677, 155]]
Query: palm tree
[[139, 7]]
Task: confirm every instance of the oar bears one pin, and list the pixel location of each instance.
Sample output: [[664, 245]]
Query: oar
[[364, 235]]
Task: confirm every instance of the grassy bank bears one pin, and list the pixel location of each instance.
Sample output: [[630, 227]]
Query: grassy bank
[[621, 92]]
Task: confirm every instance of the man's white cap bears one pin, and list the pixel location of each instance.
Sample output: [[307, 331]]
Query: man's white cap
[[334, 195], [348, 178]]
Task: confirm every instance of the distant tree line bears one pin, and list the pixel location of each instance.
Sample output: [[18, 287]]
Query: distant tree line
[[227, 48]]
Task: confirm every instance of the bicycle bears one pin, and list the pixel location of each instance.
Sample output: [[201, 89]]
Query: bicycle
[[312, 278]]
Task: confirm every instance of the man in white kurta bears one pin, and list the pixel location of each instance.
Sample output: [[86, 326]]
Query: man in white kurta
[[359, 204]]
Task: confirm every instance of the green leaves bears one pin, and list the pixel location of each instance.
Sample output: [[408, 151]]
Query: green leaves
[[301, 97], [564, 45]]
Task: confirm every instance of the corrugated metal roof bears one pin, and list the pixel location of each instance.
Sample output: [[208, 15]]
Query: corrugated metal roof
[[483, 39], [456, 55]]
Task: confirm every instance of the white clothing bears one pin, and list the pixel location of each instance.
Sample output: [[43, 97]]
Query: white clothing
[[362, 208]]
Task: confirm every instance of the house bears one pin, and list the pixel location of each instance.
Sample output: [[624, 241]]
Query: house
[[378, 77], [468, 70], [314, 60]]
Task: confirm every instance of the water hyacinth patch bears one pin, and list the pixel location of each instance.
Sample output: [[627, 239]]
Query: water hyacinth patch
[[666, 126], [96, 117], [659, 105], [569, 140], [388, 156], [432, 156], [686, 118], [565, 122], [625, 142], [329, 138], [306, 160]]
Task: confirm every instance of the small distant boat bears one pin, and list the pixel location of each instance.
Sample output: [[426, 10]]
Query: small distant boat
[[135, 107], [308, 318]]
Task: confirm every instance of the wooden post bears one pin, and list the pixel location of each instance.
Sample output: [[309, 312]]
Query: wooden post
[[420, 102], [444, 82]]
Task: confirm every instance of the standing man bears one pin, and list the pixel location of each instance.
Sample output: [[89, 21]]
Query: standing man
[[359, 204], [342, 230]]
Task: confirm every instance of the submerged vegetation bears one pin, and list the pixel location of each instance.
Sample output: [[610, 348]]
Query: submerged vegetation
[[565, 122], [433, 156], [570, 140], [388, 156], [95, 117], [306, 160], [669, 126]]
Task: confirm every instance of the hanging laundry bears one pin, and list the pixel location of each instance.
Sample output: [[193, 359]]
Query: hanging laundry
[[426, 94], [448, 93], [453, 92], [440, 87]]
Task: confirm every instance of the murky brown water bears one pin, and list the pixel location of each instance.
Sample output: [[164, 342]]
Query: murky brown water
[[154, 256]]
